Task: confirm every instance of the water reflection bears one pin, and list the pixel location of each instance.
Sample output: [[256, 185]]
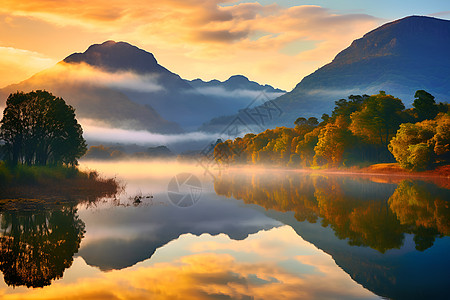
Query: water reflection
[[392, 239], [37, 246], [365, 213], [273, 264], [40, 229], [423, 208], [264, 235], [120, 237]]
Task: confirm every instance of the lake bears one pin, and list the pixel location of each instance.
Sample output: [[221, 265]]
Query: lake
[[178, 232]]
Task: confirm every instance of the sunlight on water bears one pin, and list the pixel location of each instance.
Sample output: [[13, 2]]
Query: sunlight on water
[[138, 169]]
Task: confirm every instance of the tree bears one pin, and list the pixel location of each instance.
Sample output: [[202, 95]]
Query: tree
[[333, 139], [346, 108], [425, 106], [441, 139], [417, 146], [378, 119], [38, 129], [403, 145]]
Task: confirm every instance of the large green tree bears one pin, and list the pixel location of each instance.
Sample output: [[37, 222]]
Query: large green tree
[[38, 129]]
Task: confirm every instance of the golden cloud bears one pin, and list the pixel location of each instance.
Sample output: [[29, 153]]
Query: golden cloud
[[204, 38], [18, 64]]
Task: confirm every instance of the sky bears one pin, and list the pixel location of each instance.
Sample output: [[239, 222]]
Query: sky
[[271, 42]]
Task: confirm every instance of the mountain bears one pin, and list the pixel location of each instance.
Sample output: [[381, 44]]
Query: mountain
[[188, 103], [121, 56], [399, 57], [124, 86]]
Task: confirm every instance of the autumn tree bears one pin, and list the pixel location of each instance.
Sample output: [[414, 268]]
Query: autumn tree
[[417, 146], [38, 129], [441, 140], [332, 142], [378, 119]]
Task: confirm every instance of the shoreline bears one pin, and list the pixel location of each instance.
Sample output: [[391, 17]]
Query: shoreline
[[392, 169], [382, 173]]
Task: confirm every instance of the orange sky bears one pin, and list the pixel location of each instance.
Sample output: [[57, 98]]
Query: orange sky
[[195, 38]]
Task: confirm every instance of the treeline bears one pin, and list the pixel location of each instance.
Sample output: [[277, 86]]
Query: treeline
[[361, 129]]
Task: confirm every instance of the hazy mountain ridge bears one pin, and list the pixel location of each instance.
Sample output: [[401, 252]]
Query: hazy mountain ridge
[[235, 82]]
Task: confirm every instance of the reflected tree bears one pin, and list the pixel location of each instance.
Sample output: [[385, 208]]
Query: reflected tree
[[423, 208], [363, 213], [36, 247]]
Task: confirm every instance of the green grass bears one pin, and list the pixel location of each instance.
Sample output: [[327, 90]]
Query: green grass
[[24, 186], [23, 174]]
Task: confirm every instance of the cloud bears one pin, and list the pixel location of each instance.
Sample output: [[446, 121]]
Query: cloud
[[219, 91], [104, 134], [207, 39], [219, 35], [84, 73], [18, 64]]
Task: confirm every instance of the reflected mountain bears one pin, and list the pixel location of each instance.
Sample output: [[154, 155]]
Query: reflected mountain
[[390, 238], [126, 236], [37, 246]]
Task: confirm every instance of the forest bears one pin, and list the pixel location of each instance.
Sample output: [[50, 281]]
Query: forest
[[361, 130]]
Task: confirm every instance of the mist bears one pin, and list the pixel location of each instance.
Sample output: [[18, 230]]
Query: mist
[[238, 93], [100, 134], [84, 73]]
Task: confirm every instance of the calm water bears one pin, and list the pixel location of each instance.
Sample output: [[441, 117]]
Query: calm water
[[244, 234]]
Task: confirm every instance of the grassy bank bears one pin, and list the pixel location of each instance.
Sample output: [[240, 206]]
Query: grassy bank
[[35, 185], [22, 174]]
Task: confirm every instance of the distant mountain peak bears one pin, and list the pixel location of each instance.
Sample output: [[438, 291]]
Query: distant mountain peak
[[400, 38], [235, 82], [240, 78], [117, 56]]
